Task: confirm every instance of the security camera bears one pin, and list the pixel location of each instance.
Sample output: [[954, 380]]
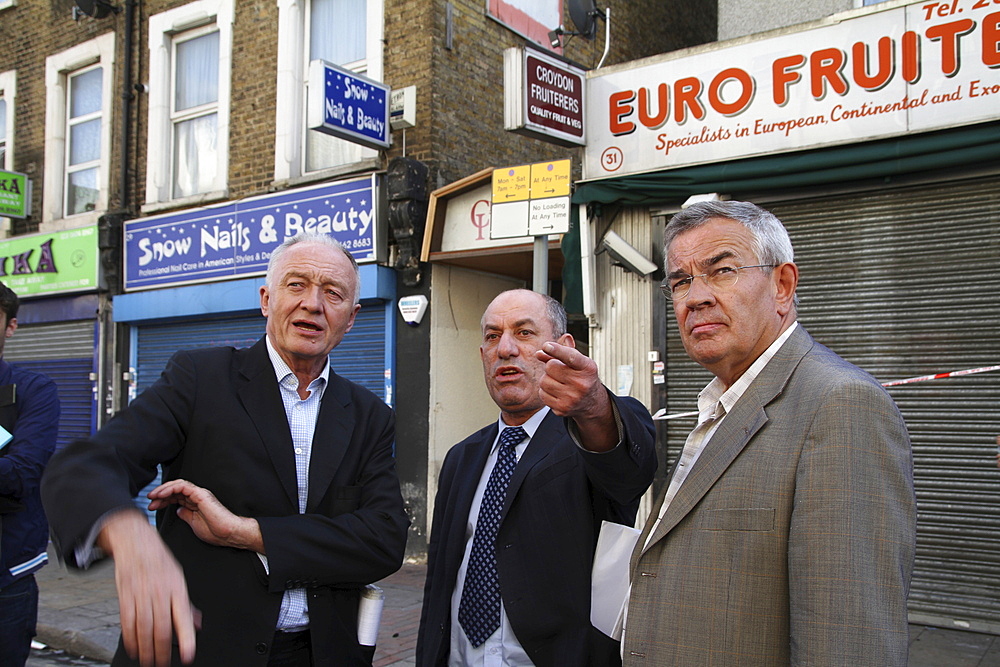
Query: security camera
[[626, 255]]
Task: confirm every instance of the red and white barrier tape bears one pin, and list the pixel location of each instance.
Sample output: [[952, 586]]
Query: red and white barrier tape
[[661, 414], [952, 374]]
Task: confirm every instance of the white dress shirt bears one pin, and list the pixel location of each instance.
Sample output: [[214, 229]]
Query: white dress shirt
[[302, 415], [502, 648]]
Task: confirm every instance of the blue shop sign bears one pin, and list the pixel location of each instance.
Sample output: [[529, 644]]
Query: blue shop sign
[[348, 105], [235, 239]]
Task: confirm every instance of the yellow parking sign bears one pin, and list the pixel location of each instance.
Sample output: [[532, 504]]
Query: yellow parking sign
[[511, 184], [550, 179]]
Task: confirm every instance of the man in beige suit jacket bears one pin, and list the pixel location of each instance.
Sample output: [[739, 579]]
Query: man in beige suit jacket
[[786, 535]]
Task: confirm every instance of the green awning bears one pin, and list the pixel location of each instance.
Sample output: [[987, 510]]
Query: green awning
[[926, 152], [975, 144]]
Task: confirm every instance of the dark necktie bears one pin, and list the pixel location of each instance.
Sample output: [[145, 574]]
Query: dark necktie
[[479, 609]]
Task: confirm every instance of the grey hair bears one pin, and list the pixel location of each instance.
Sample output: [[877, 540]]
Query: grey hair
[[557, 315], [554, 311], [770, 238], [309, 237]]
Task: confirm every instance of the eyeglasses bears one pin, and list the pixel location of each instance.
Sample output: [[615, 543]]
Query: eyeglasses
[[719, 278]]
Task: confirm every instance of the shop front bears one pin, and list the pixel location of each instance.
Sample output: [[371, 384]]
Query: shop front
[[874, 137], [193, 279], [470, 268], [59, 332]]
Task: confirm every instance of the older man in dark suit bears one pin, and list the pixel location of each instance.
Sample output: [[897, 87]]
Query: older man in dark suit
[[517, 517], [283, 477]]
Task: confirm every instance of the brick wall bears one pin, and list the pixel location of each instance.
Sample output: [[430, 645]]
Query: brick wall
[[459, 89], [30, 32]]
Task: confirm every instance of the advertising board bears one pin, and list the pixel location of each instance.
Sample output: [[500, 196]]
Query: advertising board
[[236, 238], [857, 76]]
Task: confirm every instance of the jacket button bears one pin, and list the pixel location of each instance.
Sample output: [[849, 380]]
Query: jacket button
[[261, 648]]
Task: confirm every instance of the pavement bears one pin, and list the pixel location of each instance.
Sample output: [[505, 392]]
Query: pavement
[[78, 615]]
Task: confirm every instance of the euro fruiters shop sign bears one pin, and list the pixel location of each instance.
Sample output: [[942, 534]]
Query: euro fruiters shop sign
[[872, 74]]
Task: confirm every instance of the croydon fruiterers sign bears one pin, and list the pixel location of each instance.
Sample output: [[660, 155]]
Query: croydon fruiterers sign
[[235, 239], [856, 76], [543, 97]]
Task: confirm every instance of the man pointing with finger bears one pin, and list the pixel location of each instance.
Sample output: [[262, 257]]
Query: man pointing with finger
[[520, 503]]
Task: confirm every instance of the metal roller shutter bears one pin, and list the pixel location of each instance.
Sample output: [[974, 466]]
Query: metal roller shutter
[[155, 344], [904, 283], [360, 357], [65, 353]]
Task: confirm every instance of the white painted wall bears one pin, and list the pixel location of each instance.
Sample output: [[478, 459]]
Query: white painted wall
[[459, 402]]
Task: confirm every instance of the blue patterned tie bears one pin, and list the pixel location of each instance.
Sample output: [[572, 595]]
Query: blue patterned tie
[[479, 610]]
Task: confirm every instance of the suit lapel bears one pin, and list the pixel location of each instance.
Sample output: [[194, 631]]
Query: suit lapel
[[467, 474], [262, 400], [727, 442], [538, 454], [334, 427], [471, 473], [746, 418]]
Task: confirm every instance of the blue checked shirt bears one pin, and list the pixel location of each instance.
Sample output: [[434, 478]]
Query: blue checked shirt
[[302, 416]]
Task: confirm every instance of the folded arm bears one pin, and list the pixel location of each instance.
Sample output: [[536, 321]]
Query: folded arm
[[356, 535], [210, 520]]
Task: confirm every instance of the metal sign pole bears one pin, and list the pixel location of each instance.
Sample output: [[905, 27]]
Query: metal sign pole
[[540, 265]]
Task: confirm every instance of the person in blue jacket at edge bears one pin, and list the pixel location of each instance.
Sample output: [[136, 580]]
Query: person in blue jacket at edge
[[29, 415]]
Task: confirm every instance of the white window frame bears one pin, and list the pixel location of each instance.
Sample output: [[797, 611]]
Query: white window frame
[[101, 115], [58, 67], [290, 122], [8, 91], [159, 154]]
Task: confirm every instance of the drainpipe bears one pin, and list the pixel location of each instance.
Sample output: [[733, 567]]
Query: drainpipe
[[126, 102], [110, 230]]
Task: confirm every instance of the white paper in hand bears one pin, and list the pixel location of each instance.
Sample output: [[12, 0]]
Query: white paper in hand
[[5, 437], [370, 614], [609, 581]]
